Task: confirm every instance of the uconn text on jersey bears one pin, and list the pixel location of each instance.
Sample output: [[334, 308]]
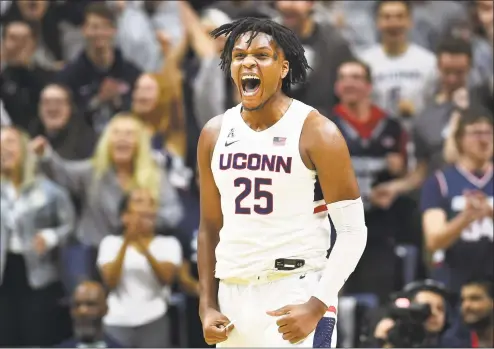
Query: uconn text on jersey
[[255, 162]]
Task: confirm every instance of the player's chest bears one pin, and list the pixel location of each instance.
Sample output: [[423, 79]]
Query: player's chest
[[265, 152]]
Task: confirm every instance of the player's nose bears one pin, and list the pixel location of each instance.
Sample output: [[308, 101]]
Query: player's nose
[[249, 62]]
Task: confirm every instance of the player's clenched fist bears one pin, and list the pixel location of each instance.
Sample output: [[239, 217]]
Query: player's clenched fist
[[214, 327], [296, 322]]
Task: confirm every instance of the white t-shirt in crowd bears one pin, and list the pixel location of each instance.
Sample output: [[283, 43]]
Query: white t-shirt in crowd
[[411, 77], [139, 298]]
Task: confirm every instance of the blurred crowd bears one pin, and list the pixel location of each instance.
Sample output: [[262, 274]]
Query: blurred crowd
[[102, 103]]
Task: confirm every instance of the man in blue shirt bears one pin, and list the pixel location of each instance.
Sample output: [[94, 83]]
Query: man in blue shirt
[[457, 205]]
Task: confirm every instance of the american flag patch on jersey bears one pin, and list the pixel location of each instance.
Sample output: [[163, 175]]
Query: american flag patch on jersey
[[280, 141]]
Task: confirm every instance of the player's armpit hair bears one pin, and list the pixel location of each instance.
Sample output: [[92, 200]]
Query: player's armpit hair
[[285, 39], [349, 221]]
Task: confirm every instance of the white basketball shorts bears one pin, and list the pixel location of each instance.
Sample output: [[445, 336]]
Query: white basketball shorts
[[246, 306]]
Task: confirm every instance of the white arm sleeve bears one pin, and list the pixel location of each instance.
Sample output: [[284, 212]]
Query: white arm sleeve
[[349, 222]]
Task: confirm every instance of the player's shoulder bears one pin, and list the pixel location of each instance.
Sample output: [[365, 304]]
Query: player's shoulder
[[210, 134], [316, 121], [318, 129], [214, 124], [212, 128]]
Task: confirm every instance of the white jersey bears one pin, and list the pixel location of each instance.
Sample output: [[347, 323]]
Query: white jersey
[[271, 202], [409, 77]]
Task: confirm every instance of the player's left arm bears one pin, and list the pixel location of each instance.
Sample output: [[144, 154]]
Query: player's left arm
[[325, 147]]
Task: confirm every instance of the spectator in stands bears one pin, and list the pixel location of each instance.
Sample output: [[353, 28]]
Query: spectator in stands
[[457, 205], [377, 147], [88, 309], [22, 79], [138, 22], [66, 130], [211, 88], [432, 127], [353, 19], [483, 47], [237, 9], [476, 329], [138, 267], [431, 19], [481, 73], [403, 73], [325, 50], [36, 217], [484, 12], [122, 160], [157, 101], [189, 276], [45, 19], [100, 78], [427, 292]]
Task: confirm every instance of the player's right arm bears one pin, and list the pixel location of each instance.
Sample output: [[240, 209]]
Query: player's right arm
[[211, 221]]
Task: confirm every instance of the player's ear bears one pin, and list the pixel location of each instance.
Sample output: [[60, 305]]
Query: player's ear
[[285, 69]]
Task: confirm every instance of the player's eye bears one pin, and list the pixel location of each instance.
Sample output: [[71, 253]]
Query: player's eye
[[238, 55]]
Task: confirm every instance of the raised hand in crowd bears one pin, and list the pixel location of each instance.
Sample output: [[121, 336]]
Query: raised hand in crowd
[[477, 206], [38, 145], [109, 90], [39, 244]]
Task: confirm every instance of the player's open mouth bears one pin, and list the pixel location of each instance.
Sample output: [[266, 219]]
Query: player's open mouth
[[250, 84]]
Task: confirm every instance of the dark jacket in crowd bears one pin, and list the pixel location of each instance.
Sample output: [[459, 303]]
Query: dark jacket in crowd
[[20, 90], [47, 29], [76, 141], [326, 50], [459, 336], [84, 79]]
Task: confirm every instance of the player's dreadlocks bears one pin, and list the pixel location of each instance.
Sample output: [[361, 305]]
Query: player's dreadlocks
[[284, 38]]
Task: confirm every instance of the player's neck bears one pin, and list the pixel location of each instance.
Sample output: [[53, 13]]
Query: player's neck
[[473, 166], [394, 49], [269, 114], [103, 58], [360, 110]]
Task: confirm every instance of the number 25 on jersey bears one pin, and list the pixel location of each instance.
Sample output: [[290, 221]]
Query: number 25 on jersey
[[255, 185]]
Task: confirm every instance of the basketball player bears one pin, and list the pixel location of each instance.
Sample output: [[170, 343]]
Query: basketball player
[[264, 230]]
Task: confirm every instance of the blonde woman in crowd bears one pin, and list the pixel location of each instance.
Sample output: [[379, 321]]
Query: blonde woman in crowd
[[36, 217], [122, 161]]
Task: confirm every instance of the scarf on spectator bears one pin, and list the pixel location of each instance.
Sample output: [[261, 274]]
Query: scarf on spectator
[[364, 128]]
